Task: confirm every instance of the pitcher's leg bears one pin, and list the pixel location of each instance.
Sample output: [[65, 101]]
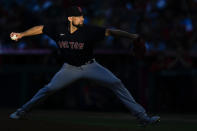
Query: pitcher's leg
[[100, 74], [62, 78], [128, 100], [40, 96]]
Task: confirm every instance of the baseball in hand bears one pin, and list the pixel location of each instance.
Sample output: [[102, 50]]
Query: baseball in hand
[[14, 37]]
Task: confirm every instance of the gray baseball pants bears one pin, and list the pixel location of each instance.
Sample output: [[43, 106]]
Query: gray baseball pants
[[94, 71]]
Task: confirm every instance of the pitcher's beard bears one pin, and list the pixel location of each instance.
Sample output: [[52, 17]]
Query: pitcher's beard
[[78, 26]]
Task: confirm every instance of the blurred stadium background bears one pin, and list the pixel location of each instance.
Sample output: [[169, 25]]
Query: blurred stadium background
[[164, 82]]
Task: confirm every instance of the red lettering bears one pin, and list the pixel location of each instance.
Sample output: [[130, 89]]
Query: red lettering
[[60, 44], [65, 44], [72, 45], [76, 45], [81, 45]]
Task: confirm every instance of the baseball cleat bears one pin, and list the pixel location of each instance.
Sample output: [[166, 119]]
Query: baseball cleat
[[150, 121], [17, 115]]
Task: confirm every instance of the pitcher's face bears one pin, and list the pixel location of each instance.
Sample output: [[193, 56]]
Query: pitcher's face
[[77, 21]]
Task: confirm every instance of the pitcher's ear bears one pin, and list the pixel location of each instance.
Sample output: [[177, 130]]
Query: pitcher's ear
[[69, 18]]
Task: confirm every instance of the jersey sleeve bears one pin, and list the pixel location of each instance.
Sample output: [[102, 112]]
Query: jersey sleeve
[[48, 30], [97, 33]]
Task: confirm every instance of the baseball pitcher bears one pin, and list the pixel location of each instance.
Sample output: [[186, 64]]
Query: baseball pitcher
[[75, 41]]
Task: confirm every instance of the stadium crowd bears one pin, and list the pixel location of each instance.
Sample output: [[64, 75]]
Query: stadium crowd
[[164, 24]]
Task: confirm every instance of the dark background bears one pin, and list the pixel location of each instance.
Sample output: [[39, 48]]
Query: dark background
[[164, 81]]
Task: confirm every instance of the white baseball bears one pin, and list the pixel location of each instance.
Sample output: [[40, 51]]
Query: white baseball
[[14, 37]]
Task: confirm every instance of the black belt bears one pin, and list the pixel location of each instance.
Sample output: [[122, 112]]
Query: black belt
[[85, 63]]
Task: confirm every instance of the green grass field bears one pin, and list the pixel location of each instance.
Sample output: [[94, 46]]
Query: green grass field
[[55, 120]]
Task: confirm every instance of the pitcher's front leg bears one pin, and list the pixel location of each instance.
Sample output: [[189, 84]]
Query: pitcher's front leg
[[61, 79]]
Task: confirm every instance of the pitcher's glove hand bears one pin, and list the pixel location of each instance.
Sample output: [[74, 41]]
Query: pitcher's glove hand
[[139, 48]]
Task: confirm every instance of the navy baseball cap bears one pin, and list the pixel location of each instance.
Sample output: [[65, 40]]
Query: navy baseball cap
[[74, 11]]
